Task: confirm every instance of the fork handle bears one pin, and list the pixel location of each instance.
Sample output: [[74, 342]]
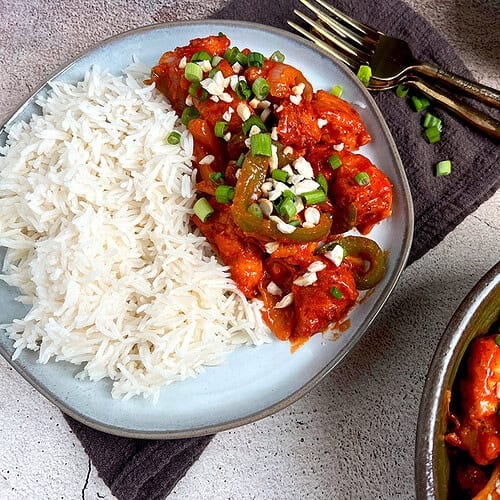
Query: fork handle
[[483, 93], [483, 122]]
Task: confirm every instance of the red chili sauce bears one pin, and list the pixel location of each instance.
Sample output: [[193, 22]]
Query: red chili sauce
[[474, 422], [266, 261]]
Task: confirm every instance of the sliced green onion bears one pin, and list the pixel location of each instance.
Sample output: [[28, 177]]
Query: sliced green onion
[[287, 209], [224, 193], [432, 121], [220, 128], [294, 222], [287, 193], [314, 197], [174, 138], [337, 91], [277, 56], [432, 134], [253, 120], [260, 88], [364, 74], [497, 340], [255, 210], [240, 160], [197, 91], [189, 114], [242, 58], [335, 161], [362, 179], [203, 209], [402, 90], [256, 59], [420, 103], [335, 292], [192, 72], [216, 60], [279, 175], [260, 144], [443, 168], [213, 72], [231, 54], [215, 177], [242, 90], [321, 180], [202, 55]]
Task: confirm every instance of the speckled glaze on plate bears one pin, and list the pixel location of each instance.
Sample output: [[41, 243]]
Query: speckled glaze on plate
[[254, 381], [475, 316]]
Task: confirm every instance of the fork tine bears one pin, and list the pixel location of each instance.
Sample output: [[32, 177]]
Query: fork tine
[[364, 29], [354, 65], [359, 55], [346, 32]]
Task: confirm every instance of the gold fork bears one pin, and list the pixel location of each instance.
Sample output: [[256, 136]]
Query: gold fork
[[392, 62]]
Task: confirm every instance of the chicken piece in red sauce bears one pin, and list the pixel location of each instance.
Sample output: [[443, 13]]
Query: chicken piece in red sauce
[[305, 123], [242, 255], [477, 422]]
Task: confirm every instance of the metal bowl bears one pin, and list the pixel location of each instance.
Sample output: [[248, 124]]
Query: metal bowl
[[475, 316]]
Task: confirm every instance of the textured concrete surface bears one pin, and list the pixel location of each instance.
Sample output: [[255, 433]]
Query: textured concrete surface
[[353, 435]]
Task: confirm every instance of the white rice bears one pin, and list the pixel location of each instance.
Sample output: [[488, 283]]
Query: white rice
[[94, 211]]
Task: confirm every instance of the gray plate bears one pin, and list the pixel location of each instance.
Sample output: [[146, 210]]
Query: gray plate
[[254, 381]]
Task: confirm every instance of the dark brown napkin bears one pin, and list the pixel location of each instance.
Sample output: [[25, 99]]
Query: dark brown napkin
[[140, 470]]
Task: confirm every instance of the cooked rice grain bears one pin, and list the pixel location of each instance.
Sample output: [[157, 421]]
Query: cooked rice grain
[[94, 211]]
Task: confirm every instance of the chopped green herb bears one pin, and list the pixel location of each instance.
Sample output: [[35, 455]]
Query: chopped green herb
[[213, 72], [240, 160], [287, 209], [174, 138], [443, 168], [335, 292], [335, 161], [279, 175], [231, 54], [242, 58], [224, 193], [364, 74], [193, 72], [321, 180], [402, 90], [253, 120], [260, 144], [220, 128], [256, 59], [216, 60], [197, 91], [420, 103], [203, 55], [215, 177], [255, 210], [260, 88], [314, 197], [277, 56], [337, 90], [242, 90], [432, 134], [362, 179], [202, 209], [189, 114], [432, 121]]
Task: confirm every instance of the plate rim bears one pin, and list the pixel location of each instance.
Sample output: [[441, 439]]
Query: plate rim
[[407, 202]]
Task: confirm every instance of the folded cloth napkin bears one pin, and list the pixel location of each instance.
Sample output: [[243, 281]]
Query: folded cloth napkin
[[135, 469]]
